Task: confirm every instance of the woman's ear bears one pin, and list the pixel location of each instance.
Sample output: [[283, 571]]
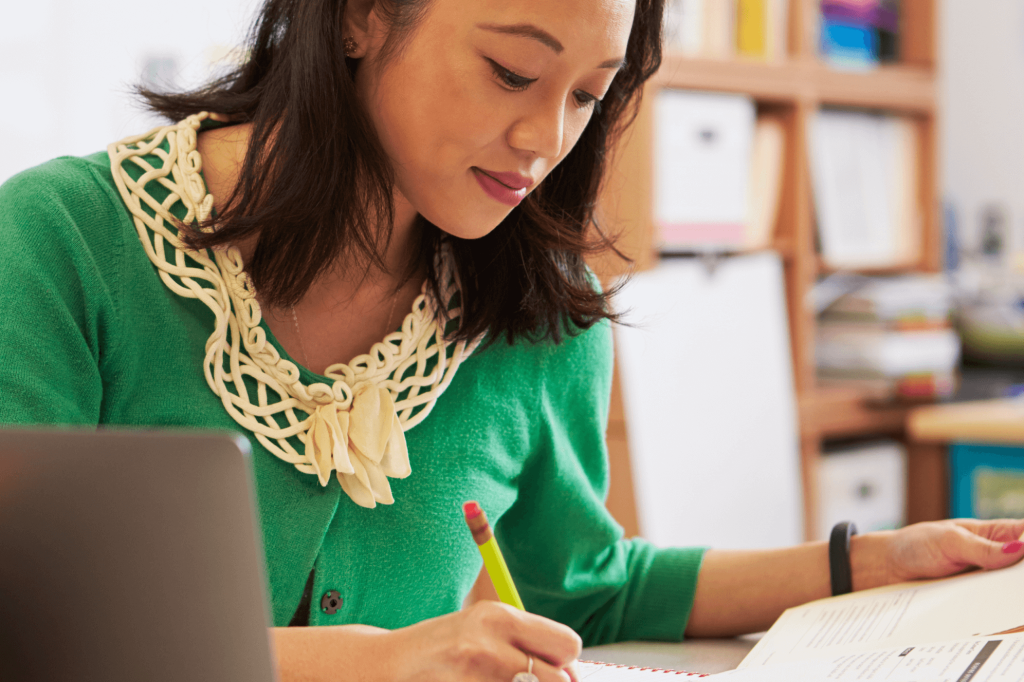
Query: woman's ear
[[360, 22]]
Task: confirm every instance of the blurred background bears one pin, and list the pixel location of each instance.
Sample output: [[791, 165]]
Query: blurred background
[[823, 201]]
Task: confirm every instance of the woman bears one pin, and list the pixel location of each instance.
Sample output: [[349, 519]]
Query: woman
[[374, 157]]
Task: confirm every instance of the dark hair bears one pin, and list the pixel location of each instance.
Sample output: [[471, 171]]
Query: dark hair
[[316, 182]]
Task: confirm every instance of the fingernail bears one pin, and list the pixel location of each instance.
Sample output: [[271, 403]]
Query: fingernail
[[1012, 547]]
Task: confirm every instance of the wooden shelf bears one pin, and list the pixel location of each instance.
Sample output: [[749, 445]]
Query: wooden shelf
[[823, 269], [904, 89], [848, 412], [898, 89], [763, 81], [795, 90]]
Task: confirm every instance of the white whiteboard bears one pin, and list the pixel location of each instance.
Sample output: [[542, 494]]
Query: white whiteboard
[[710, 406]]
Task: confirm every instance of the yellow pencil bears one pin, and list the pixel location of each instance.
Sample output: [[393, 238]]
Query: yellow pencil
[[495, 564]]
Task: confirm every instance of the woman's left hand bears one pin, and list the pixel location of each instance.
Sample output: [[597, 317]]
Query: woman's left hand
[[934, 549], [745, 591]]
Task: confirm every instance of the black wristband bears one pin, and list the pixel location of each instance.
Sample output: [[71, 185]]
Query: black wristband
[[839, 557]]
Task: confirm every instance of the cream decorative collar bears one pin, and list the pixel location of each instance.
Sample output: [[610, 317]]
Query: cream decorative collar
[[353, 426]]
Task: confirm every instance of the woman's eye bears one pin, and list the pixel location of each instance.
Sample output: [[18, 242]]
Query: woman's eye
[[585, 99], [510, 79]]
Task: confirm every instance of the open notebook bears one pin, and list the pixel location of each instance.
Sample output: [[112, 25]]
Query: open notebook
[[592, 671]]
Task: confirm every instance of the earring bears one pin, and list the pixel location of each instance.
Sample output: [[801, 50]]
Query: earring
[[350, 46]]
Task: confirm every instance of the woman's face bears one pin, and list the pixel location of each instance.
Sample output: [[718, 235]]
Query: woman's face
[[486, 97]]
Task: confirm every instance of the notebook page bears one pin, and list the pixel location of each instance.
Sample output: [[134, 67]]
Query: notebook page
[[595, 671]]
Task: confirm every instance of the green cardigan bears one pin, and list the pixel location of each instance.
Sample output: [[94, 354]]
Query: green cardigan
[[90, 335]]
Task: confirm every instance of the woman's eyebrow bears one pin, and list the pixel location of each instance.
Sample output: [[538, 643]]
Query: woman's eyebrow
[[525, 31], [542, 36]]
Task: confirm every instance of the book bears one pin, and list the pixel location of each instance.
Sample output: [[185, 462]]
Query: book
[[719, 29], [848, 36], [766, 168], [777, 25], [597, 671], [887, 25], [859, 34], [969, 626], [752, 28]]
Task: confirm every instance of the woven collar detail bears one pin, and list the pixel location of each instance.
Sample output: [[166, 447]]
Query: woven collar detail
[[353, 426]]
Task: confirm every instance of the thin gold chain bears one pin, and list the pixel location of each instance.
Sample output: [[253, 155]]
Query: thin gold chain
[[298, 333], [298, 330]]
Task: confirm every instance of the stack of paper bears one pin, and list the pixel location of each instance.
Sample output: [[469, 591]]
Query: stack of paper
[[916, 300], [892, 333]]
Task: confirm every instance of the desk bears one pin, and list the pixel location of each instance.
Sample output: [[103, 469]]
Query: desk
[[693, 655], [932, 427], [982, 421]]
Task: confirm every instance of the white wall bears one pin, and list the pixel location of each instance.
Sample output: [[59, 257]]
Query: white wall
[[67, 66], [982, 107]]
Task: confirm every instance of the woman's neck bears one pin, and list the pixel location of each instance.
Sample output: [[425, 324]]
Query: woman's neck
[[350, 307], [222, 151]]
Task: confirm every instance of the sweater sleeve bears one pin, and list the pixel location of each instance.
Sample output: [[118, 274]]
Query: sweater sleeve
[[56, 302], [566, 553]]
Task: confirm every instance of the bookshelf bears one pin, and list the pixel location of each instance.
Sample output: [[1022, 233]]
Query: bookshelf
[[793, 88]]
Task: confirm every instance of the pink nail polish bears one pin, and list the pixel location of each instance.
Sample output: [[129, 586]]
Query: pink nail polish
[[1012, 547]]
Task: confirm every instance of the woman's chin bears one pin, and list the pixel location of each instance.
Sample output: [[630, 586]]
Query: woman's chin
[[476, 228]]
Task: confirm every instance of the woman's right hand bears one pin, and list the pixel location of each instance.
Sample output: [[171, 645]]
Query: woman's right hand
[[487, 642]]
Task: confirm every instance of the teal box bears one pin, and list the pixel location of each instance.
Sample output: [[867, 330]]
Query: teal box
[[986, 481]]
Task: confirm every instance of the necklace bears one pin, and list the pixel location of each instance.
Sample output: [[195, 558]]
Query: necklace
[[352, 427], [298, 330]]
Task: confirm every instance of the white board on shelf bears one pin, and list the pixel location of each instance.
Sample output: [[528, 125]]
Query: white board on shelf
[[710, 405]]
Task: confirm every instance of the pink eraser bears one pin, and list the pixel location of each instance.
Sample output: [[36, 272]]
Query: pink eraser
[[472, 510]]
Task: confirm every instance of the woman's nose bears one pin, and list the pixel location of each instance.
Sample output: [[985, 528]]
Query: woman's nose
[[540, 130]]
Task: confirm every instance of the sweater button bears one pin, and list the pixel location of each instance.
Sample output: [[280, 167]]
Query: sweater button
[[331, 602]]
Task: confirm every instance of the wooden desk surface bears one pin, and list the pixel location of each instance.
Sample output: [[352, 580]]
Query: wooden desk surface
[[984, 421]]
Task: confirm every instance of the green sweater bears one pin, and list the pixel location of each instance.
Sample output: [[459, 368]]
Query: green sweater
[[90, 335]]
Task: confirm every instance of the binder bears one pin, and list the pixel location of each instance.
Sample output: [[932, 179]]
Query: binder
[[702, 156], [866, 189]]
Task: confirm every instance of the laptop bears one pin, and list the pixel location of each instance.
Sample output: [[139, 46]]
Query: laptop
[[128, 556]]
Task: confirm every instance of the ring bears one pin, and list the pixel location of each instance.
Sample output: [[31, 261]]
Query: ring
[[528, 676]]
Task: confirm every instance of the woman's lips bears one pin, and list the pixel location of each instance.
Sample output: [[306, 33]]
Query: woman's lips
[[500, 191]]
